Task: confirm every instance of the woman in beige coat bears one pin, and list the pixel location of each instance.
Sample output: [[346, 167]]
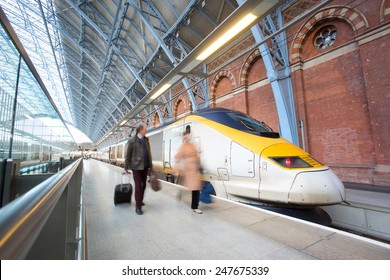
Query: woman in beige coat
[[188, 157]]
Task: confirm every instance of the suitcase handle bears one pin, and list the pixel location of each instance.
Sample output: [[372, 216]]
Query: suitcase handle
[[123, 177]]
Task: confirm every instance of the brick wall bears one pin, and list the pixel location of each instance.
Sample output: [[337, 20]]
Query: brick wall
[[375, 57], [341, 93]]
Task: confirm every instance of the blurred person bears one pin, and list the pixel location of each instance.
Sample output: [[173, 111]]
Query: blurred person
[[138, 158], [188, 158]]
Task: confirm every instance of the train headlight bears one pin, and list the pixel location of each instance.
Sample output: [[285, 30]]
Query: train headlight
[[291, 162]]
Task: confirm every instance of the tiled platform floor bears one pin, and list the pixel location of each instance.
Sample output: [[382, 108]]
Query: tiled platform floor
[[226, 230]]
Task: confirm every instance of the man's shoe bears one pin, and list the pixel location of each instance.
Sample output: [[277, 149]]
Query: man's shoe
[[138, 211], [197, 211]]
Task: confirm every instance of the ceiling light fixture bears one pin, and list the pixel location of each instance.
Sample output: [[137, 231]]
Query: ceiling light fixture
[[160, 91], [227, 36]]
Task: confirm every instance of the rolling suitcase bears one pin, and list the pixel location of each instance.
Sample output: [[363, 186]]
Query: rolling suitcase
[[123, 193]]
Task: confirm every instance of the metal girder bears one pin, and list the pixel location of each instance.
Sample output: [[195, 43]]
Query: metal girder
[[142, 36], [56, 46], [180, 18], [103, 106], [179, 44], [100, 123], [101, 24], [124, 47], [95, 130], [104, 6], [163, 45], [104, 35], [132, 92], [83, 106], [105, 114], [132, 70], [123, 105], [113, 35], [83, 72], [152, 29], [279, 77], [82, 41], [158, 69], [118, 81], [172, 8], [118, 114], [62, 68], [193, 30], [110, 122], [206, 15], [164, 26], [67, 32], [141, 73], [83, 50], [79, 98], [176, 41], [138, 95]]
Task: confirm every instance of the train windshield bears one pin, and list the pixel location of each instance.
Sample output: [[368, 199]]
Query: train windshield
[[250, 123]]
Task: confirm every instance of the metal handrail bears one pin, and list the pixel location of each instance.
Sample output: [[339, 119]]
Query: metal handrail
[[82, 233], [22, 220]]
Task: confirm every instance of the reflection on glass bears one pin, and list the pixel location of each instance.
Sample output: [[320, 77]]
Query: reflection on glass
[[40, 136]]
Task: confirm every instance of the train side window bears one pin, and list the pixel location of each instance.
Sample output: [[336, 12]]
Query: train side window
[[188, 128]]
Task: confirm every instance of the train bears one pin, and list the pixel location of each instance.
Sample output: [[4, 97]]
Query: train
[[31, 153], [242, 159]]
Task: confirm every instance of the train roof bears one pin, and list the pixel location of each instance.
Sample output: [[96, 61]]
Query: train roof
[[233, 119]]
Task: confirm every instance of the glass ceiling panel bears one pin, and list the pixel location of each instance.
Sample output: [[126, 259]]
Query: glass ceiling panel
[[26, 18], [31, 97]]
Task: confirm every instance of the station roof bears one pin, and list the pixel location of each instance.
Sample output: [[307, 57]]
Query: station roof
[[100, 58]]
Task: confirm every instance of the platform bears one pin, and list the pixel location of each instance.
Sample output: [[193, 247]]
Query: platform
[[226, 230], [366, 211]]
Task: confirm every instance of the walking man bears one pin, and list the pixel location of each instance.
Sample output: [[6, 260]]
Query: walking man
[[139, 159]]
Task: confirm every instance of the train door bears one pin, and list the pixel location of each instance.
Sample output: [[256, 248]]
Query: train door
[[167, 150], [242, 169], [241, 161], [176, 141]]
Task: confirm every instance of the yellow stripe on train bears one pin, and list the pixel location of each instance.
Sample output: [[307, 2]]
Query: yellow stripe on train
[[267, 147]]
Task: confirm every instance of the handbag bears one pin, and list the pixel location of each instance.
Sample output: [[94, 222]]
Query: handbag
[[154, 182]]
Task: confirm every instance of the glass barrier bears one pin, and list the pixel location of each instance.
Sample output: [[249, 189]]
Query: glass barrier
[[30, 131]]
